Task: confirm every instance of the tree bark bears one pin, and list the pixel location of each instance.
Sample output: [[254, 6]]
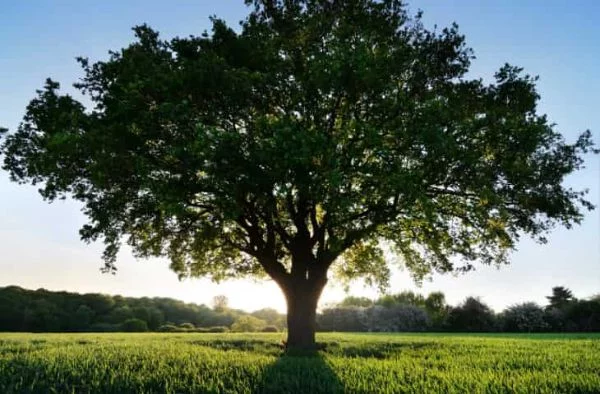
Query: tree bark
[[302, 297]]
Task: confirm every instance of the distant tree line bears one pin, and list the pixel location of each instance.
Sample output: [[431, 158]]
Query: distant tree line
[[47, 311], [408, 311]]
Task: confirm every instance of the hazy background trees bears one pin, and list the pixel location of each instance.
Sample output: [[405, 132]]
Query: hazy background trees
[[409, 311], [47, 311]]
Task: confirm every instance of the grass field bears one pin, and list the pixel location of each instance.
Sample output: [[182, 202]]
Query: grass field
[[252, 363]]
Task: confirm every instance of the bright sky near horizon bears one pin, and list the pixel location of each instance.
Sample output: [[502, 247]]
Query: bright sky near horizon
[[39, 243]]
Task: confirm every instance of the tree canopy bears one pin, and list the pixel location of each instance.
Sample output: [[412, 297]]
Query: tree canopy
[[560, 297], [319, 132]]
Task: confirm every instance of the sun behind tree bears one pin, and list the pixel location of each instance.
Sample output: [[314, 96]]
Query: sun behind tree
[[305, 143]]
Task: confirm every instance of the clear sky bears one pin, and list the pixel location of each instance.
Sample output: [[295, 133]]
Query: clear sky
[[39, 243]]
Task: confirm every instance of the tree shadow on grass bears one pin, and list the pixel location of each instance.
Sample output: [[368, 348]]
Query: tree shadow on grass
[[298, 373], [378, 350], [247, 345], [303, 374], [310, 372]]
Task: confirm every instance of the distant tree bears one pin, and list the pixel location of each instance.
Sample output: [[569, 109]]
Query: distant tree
[[220, 303], [169, 328], [356, 301], [134, 325], [343, 319], [155, 317], [267, 314], [410, 318], [82, 318], [120, 314], [218, 329], [400, 317], [179, 312], [526, 317], [43, 310], [271, 316], [410, 298], [100, 303], [561, 297], [406, 297], [583, 315], [41, 316], [435, 301], [297, 144], [187, 326], [222, 319], [555, 319], [386, 301], [435, 305], [402, 298], [248, 324], [141, 312], [11, 309], [472, 316], [556, 310]]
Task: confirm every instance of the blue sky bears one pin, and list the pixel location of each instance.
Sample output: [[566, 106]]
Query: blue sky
[[39, 243]]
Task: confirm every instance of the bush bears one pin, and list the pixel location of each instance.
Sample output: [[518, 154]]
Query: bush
[[218, 329], [248, 324], [270, 329], [169, 328], [187, 326], [134, 325]]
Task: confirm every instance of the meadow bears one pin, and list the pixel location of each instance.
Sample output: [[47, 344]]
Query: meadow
[[254, 363]]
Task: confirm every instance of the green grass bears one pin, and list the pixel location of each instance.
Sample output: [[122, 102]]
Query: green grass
[[253, 363]]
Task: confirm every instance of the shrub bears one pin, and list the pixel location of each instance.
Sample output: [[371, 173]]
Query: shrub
[[134, 325], [169, 328], [270, 329], [248, 324], [187, 326], [218, 329]]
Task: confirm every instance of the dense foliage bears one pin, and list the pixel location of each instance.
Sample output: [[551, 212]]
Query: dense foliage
[[299, 143], [253, 363], [46, 311], [408, 311]]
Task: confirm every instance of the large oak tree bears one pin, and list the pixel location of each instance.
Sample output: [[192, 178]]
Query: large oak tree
[[310, 140]]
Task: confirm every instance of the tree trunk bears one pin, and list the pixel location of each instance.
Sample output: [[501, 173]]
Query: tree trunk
[[302, 299]]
